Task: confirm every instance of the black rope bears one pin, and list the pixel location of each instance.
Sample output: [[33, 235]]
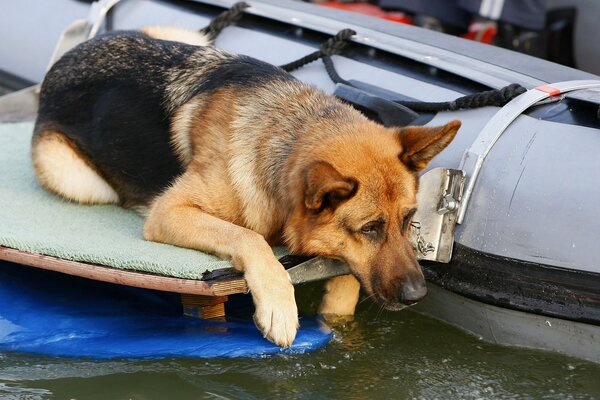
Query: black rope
[[333, 45], [338, 42], [497, 98], [225, 19], [332, 72]]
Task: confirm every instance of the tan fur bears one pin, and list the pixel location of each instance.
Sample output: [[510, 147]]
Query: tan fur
[[227, 179], [181, 126], [176, 34], [194, 38], [178, 217], [177, 93], [340, 297], [387, 190], [62, 169]]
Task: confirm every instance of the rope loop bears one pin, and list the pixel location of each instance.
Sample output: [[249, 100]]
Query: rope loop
[[225, 19], [336, 43], [333, 45]]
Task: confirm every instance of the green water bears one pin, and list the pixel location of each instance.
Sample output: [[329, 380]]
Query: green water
[[380, 355]]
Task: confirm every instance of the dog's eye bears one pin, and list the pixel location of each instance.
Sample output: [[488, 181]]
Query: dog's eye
[[372, 229], [407, 219]]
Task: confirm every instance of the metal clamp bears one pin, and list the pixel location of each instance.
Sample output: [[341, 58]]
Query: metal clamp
[[474, 157], [438, 199]]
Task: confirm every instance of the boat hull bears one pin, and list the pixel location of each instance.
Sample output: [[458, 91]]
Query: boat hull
[[510, 327]]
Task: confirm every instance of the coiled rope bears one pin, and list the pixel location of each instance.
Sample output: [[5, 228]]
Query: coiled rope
[[333, 45]]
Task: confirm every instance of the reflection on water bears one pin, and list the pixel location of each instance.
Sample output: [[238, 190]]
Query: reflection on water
[[378, 355]]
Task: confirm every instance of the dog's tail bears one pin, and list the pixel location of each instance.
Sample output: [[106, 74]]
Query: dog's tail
[[176, 34]]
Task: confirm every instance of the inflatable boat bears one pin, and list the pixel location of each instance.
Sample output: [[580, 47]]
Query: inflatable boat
[[508, 219]]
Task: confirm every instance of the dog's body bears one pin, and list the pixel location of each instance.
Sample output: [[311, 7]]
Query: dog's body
[[230, 155]]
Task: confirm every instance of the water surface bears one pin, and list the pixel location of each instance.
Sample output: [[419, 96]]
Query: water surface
[[379, 355]]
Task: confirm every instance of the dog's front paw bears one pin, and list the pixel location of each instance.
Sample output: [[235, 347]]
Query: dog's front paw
[[276, 313]]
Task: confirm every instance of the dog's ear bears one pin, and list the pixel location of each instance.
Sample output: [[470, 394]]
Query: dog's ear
[[326, 187], [420, 144]]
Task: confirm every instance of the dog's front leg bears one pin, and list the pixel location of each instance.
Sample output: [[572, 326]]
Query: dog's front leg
[[174, 219], [340, 298]]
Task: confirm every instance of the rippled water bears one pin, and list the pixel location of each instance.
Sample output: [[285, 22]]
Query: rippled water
[[379, 355]]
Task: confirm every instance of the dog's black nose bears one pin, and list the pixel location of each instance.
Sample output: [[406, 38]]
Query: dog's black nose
[[412, 291]]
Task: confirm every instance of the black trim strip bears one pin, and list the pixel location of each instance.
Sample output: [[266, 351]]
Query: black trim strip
[[505, 282], [13, 82]]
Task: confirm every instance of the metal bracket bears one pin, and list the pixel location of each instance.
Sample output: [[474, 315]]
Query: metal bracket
[[316, 269], [474, 157], [438, 199]]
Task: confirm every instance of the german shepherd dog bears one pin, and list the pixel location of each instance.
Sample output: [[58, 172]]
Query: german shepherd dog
[[230, 155]]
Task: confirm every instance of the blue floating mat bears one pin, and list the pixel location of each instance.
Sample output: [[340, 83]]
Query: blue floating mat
[[59, 315]]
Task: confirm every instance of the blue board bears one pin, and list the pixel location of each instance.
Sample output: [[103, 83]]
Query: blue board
[[60, 315]]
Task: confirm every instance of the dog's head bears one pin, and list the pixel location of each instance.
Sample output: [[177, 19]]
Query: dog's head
[[359, 199]]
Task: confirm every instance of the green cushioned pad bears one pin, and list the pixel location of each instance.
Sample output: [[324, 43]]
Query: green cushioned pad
[[35, 221]]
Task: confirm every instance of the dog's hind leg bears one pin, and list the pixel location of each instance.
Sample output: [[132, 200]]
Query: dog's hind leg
[[175, 34], [340, 298], [62, 169], [177, 217]]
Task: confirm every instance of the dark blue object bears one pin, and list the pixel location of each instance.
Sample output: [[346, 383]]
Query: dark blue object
[[60, 315]]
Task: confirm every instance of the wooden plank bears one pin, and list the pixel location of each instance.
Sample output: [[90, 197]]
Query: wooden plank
[[214, 312], [194, 300], [228, 286], [128, 278], [204, 307]]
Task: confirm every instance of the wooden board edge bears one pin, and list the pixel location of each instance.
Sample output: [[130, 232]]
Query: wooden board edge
[[127, 278]]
